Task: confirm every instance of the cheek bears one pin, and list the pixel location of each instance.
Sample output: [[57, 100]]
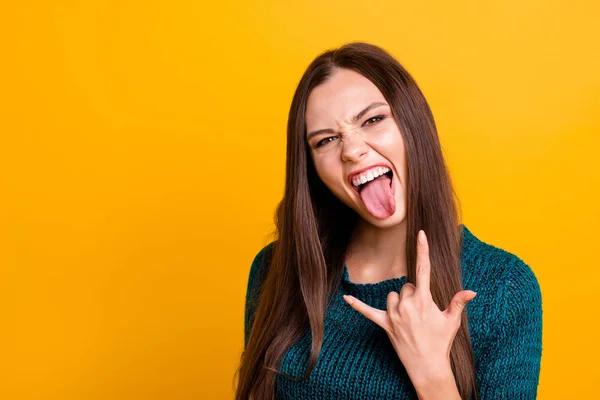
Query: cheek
[[390, 145], [389, 138], [329, 172], [389, 141], [327, 175]]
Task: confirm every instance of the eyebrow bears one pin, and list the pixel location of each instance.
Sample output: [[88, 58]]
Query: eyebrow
[[354, 119]]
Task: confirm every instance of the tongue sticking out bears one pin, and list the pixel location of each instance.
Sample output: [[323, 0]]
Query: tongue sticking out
[[378, 197]]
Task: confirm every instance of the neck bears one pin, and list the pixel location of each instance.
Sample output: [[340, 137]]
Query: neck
[[376, 254]]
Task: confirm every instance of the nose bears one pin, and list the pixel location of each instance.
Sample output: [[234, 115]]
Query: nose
[[353, 148]]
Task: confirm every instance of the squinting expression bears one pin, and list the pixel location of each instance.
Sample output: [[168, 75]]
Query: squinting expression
[[350, 127]]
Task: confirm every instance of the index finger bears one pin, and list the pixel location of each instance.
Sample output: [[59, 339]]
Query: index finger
[[423, 264], [378, 316]]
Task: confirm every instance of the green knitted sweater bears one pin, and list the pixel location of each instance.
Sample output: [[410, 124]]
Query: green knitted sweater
[[357, 360]]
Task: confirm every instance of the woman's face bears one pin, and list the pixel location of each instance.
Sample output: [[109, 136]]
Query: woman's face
[[344, 145]]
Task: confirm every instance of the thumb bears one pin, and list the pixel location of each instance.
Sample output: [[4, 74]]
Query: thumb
[[459, 301]]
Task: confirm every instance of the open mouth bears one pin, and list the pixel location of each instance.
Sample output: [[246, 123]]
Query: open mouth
[[359, 188]]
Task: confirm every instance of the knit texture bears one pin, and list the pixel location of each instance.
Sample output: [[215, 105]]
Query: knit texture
[[357, 360]]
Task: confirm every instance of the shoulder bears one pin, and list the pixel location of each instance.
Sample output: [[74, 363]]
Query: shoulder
[[259, 269], [507, 287], [505, 320], [484, 263], [258, 272]]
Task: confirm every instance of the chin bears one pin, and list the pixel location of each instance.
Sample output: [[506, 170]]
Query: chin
[[388, 222]]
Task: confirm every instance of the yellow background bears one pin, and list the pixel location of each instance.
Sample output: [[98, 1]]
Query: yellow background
[[143, 152]]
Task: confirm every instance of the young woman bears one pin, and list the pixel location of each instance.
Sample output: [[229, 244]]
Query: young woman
[[347, 303]]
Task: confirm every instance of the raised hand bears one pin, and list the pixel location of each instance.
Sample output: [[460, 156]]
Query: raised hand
[[421, 334]]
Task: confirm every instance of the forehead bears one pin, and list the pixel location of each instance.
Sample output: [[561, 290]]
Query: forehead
[[344, 94]]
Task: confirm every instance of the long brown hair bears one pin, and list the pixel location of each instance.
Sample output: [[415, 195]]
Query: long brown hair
[[313, 227]]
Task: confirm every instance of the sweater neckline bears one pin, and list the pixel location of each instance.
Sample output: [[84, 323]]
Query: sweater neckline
[[375, 294], [368, 286]]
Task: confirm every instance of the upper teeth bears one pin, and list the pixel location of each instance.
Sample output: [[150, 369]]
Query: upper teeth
[[369, 175]]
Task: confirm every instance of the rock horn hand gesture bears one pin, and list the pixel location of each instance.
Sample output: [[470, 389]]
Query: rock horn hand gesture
[[420, 332]]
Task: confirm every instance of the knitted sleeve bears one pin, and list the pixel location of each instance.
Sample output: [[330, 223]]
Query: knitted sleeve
[[510, 368], [258, 271]]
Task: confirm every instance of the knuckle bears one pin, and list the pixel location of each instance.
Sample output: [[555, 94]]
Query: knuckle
[[404, 308], [407, 287], [395, 318], [392, 299], [407, 290]]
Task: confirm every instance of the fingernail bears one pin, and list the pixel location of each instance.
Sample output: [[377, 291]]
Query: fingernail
[[421, 237], [348, 299]]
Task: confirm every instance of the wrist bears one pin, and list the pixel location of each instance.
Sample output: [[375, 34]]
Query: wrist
[[432, 373], [437, 382]]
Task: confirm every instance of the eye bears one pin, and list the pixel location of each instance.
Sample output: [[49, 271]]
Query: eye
[[324, 141], [374, 119], [370, 121]]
